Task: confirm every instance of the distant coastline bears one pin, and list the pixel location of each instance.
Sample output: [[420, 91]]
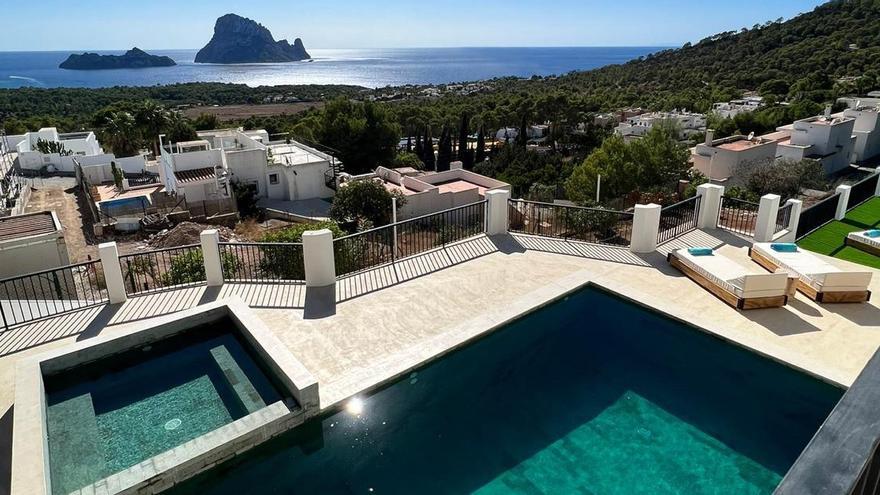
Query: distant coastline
[[371, 68]]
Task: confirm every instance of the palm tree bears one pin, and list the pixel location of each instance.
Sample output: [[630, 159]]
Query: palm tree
[[152, 119], [120, 133]]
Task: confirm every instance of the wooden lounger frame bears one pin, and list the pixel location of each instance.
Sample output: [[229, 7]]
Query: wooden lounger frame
[[861, 246], [857, 296], [724, 294]]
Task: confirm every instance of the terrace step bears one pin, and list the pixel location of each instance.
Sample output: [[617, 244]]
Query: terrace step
[[244, 389], [79, 457]]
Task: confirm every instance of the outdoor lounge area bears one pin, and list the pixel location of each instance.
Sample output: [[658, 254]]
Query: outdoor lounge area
[[353, 324], [831, 239]]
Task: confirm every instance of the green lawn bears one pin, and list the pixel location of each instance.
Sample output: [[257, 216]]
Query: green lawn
[[829, 239]]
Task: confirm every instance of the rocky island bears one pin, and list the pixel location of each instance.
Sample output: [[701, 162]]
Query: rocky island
[[238, 40], [132, 59]]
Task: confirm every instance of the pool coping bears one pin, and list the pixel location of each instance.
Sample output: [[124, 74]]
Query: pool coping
[[390, 369], [30, 453]]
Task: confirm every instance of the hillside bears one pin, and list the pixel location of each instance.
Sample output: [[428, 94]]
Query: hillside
[[803, 56]]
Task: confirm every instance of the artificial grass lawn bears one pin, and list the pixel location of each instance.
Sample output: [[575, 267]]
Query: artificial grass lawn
[[829, 239]]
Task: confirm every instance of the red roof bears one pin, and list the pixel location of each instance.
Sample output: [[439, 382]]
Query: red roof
[[195, 175]]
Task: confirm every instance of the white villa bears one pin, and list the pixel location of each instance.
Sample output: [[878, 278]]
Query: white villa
[[83, 146], [430, 192], [732, 108], [826, 139], [718, 159], [282, 173], [866, 130], [638, 126]]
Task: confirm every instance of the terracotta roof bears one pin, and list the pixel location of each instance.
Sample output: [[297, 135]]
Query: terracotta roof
[[21, 226], [195, 175]]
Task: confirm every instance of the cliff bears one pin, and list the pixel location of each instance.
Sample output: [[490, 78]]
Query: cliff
[[132, 59], [238, 40]]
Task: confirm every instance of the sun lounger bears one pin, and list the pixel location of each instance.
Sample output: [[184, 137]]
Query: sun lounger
[[733, 283], [864, 243], [817, 279]]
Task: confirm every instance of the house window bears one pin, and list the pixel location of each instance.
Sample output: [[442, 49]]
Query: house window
[[273, 179]]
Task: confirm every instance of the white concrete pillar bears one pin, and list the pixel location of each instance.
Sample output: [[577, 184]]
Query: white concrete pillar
[[768, 209], [109, 255], [497, 214], [318, 257], [211, 253], [877, 189], [646, 227], [797, 206], [842, 201], [710, 205]]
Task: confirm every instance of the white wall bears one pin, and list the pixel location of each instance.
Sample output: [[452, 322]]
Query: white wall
[[32, 160]]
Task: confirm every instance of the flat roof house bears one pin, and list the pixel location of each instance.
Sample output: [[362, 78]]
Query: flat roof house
[[866, 131], [826, 139], [719, 159], [81, 146], [638, 126], [431, 192], [31, 243]]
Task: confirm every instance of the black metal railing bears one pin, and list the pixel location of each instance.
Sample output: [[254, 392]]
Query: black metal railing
[[163, 268], [363, 250], [738, 216], [783, 218], [51, 292], [817, 215], [263, 262], [594, 225], [862, 191], [678, 219], [417, 235]]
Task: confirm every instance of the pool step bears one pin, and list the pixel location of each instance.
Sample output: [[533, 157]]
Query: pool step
[[78, 457], [244, 389]]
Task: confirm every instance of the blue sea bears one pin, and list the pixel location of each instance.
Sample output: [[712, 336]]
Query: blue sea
[[373, 68]]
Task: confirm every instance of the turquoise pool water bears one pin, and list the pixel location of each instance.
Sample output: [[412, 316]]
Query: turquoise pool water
[[591, 395], [109, 415]]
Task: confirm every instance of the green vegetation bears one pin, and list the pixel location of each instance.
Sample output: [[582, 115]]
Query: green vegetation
[[829, 240], [653, 163], [286, 261], [294, 233], [786, 178], [365, 203]]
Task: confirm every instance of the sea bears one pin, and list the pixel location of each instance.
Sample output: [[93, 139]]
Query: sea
[[372, 68]]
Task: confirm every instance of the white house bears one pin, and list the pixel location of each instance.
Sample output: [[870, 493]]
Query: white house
[[194, 171], [638, 126], [719, 159], [826, 139], [82, 146], [31, 243], [430, 192], [732, 108], [866, 130]]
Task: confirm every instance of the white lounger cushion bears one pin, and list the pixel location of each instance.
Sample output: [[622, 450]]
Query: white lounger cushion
[[815, 271], [861, 237], [745, 282]]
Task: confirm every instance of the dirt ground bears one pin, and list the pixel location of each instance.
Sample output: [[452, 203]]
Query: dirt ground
[[241, 112], [59, 194]]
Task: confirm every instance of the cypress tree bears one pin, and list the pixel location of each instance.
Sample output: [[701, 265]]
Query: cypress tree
[[523, 137], [428, 151], [481, 145], [465, 154], [409, 143], [444, 152]]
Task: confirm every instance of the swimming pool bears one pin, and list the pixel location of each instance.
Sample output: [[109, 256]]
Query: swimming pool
[[116, 412], [591, 394]]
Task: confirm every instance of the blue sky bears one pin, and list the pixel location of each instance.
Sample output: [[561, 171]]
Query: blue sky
[[163, 24]]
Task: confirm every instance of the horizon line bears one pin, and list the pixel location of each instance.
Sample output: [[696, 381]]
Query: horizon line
[[74, 50]]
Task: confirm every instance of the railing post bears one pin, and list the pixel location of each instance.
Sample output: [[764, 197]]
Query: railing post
[[794, 220], [210, 240], [318, 258], [710, 205], [497, 215], [767, 212], [109, 255], [842, 201], [877, 186], [394, 254], [646, 228]]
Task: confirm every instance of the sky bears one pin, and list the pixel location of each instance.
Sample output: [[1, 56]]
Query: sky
[[170, 24]]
